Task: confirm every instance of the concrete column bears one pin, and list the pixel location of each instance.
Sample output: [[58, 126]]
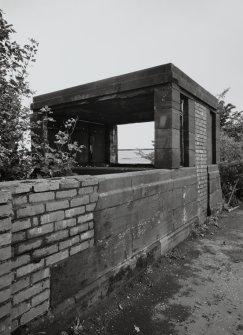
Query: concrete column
[[167, 126], [189, 134], [113, 145]]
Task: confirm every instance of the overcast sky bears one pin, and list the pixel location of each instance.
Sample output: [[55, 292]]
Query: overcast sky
[[87, 40]]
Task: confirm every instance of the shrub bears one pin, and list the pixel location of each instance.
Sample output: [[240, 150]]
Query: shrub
[[58, 159], [232, 175]]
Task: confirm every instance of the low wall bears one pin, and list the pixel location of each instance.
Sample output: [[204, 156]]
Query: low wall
[[65, 241]]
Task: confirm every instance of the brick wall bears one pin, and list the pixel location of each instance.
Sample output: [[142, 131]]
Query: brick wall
[[201, 158], [5, 261], [44, 222], [71, 237]]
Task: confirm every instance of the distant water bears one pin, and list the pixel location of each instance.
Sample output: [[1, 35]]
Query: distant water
[[129, 156]]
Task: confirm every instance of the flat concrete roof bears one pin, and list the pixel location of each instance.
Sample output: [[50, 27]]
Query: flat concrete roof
[[123, 86]]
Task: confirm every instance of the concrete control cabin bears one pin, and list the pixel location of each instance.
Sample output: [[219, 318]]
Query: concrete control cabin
[[68, 242], [182, 110]]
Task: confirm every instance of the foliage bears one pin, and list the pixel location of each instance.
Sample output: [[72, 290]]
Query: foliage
[[231, 148], [148, 156], [17, 161], [56, 160], [231, 120], [232, 174], [14, 117]]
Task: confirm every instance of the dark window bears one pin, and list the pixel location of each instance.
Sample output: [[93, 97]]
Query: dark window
[[211, 138], [184, 131]]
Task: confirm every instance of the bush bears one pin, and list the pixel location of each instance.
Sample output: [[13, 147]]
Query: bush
[[17, 161], [232, 174]]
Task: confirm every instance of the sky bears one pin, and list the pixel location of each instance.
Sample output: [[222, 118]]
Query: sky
[[82, 41]]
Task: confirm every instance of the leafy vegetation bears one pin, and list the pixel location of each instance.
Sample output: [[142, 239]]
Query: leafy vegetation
[[231, 149], [17, 161], [56, 160], [14, 88]]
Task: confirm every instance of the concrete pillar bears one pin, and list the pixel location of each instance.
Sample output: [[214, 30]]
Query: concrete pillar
[[167, 126], [189, 134], [112, 145]]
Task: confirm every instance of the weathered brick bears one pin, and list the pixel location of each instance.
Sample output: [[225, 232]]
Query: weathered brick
[[35, 221], [51, 217], [91, 225], [78, 229], [18, 237], [5, 253], [79, 247], [5, 210], [69, 183], [34, 312], [85, 218], [40, 275], [19, 261], [59, 225], [29, 268], [38, 299], [30, 210], [54, 206], [20, 309], [20, 200], [74, 211], [56, 257], [40, 197], [88, 234], [42, 230], [90, 207], [20, 284], [22, 188], [5, 281], [57, 236], [30, 292], [27, 246], [5, 267], [5, 310], [5, 224], [5, 295], [40, 253], [66, 194], [85, 190], [94, 197], [5, 239], [90, 182], [4, 196], [21, 225], [44, 186], [69, 243], [91, 242], [79, 201]]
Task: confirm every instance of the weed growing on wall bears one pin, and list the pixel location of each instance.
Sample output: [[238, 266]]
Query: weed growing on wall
[[56, 160]]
